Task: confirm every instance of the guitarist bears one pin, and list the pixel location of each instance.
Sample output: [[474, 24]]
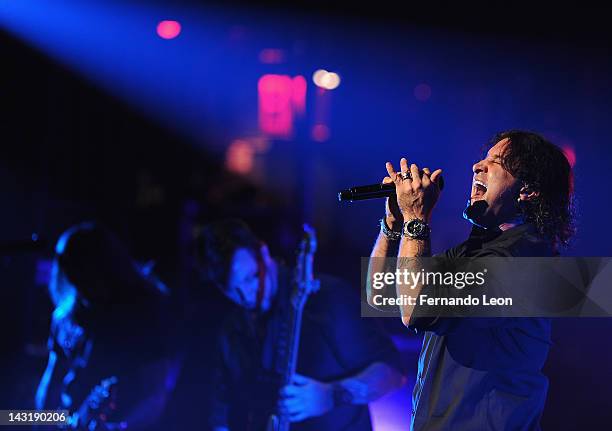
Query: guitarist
[[344, 362], [109, 363]]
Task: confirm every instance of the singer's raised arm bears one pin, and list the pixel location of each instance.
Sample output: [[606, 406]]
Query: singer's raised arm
[[386, 244], [416, 196]]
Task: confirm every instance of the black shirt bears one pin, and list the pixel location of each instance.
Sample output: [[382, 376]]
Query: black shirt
[[484, 373], [127, 339], [335, 343]]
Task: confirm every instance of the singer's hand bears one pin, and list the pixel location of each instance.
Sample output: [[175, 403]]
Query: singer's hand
[[393, 215], [416, 196]]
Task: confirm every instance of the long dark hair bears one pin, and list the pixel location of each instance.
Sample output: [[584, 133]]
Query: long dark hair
[[93, 265], [215, 246], [97, 287], [544, 168]]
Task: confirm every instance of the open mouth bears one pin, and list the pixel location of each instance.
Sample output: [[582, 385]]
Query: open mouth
[[478, 189]]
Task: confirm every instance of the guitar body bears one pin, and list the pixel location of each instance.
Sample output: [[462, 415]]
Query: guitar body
[[98, 407], [303, 285]]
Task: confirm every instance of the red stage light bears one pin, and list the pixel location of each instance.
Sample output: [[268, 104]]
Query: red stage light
[[168, 29], [320, 133], [298, 95], [275, 105], [272, 56]]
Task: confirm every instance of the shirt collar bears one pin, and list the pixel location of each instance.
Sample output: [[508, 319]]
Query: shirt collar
[[480, 236]]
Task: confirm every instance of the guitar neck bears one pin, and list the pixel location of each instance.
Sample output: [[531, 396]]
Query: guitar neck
[[289, 342], [289, 360], [293, 343]]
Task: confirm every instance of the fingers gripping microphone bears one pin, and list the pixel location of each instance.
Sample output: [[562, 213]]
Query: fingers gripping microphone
[[374, 191]]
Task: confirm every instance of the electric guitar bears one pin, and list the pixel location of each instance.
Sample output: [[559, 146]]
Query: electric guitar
[[95, 412], [304, 285]]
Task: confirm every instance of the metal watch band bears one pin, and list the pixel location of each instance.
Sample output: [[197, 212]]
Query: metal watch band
[[390, 234], [416, 229]]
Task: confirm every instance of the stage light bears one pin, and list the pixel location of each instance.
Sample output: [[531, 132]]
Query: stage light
[[320, 133], [168, 29], [326, 80], [240, 157], [331, 81], [276, 105], [317, 77], [271, 56], [298, 95]]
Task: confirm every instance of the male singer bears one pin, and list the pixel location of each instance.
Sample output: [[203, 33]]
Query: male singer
[[483, 374]]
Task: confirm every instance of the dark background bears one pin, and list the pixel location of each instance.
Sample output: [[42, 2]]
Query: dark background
[[132, 131]]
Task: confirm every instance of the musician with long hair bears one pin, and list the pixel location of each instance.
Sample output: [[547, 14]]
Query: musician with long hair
[[483, 374], [109, 363], [344, 362]]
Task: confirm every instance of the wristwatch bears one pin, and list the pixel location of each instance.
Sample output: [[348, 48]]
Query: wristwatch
[[416, 229]]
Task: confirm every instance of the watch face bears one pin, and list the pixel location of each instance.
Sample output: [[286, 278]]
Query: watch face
[[417, 229]]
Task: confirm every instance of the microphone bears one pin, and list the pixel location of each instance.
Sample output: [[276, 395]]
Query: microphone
[[374, 191]]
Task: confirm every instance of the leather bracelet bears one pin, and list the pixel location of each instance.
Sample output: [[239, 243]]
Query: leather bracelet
[[387, 232]]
